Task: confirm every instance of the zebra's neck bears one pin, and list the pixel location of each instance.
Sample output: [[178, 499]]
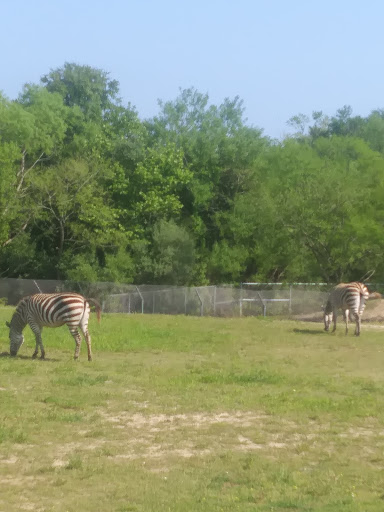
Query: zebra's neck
[[328, 307], [19, 320]]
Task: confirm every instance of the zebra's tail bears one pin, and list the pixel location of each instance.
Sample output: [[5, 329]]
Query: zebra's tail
[[97, 307]]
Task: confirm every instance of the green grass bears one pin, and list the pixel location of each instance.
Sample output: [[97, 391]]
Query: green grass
[[194, 414]]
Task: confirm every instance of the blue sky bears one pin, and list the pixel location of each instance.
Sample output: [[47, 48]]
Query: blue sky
[[281, 57]]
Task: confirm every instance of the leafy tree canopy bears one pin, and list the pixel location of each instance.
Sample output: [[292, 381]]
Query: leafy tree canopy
[[89, 191]]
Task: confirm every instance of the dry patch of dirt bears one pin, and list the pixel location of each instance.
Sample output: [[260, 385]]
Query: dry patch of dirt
[[156, 437], [374, 312], [11, 460], [20, 482], [156, 423], [65, 451]]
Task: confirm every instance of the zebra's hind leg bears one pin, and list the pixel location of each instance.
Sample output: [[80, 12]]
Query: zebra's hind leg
[[358, 324], [334, 320], [84, 329], [361, 311], [76, 336], [87, 337], [346, 318]]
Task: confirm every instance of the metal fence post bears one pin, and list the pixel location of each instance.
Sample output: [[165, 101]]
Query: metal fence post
[[201, 302], [185, 301], [263, 304], [241, 300], [37, 286], [142, 299]]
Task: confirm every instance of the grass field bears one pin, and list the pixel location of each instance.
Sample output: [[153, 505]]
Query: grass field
[[194, 414]]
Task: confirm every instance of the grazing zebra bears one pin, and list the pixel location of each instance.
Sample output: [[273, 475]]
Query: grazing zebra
[[51, 310], [348, 297]]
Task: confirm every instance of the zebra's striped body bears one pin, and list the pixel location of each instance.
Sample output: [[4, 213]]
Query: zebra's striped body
[[51, 310], [350, 297]]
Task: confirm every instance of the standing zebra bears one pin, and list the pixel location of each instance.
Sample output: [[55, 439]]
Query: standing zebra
[[51, 310], [348, 297]]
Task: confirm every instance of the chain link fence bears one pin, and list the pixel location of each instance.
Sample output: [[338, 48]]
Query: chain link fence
[[297, 300], [244, 300]]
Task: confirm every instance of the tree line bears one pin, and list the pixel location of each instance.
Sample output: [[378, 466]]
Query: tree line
[[194, 195]]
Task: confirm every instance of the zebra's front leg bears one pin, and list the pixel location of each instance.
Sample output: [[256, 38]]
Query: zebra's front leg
[[76, 336], [39, 341]]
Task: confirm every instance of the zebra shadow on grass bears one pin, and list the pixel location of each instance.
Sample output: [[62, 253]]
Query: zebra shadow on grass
[[309, 331], [46, 360]]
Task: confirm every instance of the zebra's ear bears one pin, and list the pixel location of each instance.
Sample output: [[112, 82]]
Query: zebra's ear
[[8, 324]]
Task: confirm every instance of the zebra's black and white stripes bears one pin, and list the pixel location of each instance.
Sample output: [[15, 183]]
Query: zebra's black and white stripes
[[349, 297], [51, 310]]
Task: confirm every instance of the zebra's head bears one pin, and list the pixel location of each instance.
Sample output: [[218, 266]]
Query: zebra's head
[[16, 339], [328, 316]]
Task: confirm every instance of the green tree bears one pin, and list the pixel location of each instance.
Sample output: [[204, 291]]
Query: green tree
[[171, 255], [88, 88], [373, 131], [313, 212], [320, 196], [77, 217], [30, 134], [151, 191], [219, 150], [98, 125]]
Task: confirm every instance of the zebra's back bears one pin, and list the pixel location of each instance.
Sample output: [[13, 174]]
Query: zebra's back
[[53, 309], [351, 296]]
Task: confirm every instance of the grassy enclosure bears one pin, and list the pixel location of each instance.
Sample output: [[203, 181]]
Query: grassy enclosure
[[194, 414]]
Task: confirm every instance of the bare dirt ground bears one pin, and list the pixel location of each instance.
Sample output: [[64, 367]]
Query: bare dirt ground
[[374, 312]]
